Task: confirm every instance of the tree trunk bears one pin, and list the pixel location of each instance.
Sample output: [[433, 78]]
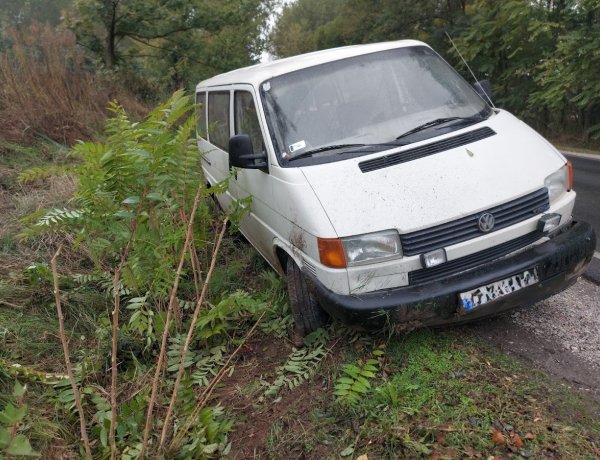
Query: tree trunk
[[110, 58]]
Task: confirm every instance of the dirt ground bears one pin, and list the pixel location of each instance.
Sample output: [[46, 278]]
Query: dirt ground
[[260, 418], [560, 336]]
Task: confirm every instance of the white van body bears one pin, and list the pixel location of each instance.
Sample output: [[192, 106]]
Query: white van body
[[467, 216]]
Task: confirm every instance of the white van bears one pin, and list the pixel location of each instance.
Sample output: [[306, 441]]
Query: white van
[[388, 190]]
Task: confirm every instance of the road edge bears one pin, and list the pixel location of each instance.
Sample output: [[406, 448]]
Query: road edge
[[589, 156], [593, 271]]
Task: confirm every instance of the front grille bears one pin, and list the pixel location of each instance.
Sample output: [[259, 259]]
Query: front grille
[[425, 150], [466, 228], [473, 260]]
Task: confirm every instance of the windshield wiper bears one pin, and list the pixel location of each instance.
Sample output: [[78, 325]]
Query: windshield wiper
[[441, 121], [325, 148]]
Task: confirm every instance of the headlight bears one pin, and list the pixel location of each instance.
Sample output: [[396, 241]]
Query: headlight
[[557, 183], [365, 248]]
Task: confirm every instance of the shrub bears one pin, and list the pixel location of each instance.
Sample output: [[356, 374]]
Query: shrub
[[47, 89]]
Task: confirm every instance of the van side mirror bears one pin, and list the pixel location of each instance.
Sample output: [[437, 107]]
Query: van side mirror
[[241, 154], [484, 89]]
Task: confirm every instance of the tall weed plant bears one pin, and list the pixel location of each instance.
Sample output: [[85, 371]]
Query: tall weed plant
[[145, 219]]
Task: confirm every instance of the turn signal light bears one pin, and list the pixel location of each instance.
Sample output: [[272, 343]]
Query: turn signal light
[[331, 252], [569, 176]]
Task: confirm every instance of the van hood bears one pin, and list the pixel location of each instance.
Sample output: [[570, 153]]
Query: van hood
[[437, 188]]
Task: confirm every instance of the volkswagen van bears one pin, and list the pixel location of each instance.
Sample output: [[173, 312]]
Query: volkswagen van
[[387, 189]]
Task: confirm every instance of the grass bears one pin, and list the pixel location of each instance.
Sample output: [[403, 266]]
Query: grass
[[46, 88], [437, 394], [444, 395]]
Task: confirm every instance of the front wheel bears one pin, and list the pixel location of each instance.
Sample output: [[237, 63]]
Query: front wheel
[[308, 315]]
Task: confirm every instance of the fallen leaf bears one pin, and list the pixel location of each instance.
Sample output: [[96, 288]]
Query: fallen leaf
[[347, 451], [440, 437], [517, 441], [497, 438], [362, 457], [470, 452], [529, 436]]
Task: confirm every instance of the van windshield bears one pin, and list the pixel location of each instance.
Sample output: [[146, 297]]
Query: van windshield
[[367, 103]]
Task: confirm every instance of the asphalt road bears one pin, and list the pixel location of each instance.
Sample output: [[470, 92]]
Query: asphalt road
[[586, 176]]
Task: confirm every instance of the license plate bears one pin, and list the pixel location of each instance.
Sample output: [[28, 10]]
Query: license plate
[[470, 300]]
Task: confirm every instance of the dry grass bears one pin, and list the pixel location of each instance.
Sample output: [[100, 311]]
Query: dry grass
[[47, 89], [15, 254]]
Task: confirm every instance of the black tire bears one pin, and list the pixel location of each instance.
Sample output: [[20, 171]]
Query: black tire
[[308, 314]]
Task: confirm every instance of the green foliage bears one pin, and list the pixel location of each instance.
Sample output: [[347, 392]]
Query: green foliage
[[171, 44], [141, 321], [11, 442], [541, 57], [224, 318], [41, 172], [568, 79], [353, 383], [20, 13], [308, 25], [141, 180], [136, 191], [208, 439], [201, 363], [301, 364]]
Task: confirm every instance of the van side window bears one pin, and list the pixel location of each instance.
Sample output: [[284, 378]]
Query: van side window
[[246, 119], [201, 115], [218, 119]]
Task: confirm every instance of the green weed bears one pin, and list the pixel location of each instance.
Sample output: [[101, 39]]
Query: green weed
[[12, 415]]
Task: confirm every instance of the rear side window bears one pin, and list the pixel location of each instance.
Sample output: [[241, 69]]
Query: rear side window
[[201, 114], [218, 119], [246, 119]]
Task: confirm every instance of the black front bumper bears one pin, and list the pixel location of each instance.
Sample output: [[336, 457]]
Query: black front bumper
[[558, 263]]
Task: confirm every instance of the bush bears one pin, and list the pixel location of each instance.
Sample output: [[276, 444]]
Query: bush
[[47, 90]]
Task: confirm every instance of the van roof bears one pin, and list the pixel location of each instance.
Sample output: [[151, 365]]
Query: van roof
[[258, 73]]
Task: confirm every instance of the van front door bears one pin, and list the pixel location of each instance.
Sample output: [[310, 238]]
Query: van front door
[[254, 183]]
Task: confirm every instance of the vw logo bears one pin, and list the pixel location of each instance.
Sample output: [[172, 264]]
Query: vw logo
[[486, 222]]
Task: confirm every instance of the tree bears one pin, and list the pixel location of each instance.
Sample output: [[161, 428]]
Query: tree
[[505, 42], [569, 78], [171, 35], [308, 25], [297, 26], [21, 13]]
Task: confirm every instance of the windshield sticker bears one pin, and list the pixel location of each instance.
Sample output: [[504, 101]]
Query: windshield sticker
[[267, 86], [297, 146]]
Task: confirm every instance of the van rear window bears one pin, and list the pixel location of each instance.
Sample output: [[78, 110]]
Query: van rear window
[[218, 119]]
